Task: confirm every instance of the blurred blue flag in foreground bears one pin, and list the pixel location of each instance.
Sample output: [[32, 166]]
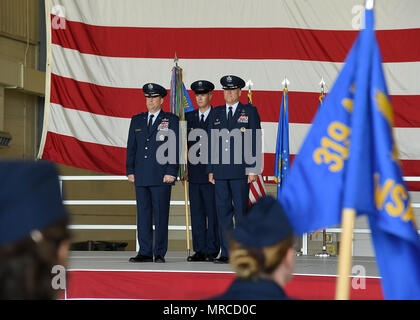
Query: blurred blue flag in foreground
[[282, 164], [349, 159]]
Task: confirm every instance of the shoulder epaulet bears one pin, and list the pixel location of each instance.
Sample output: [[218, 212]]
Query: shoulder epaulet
[[251, 105], [191, 113], [139, 115]]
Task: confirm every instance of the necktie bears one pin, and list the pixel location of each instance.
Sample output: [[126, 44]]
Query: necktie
[[149, 125], [230, 116], [202, 120]]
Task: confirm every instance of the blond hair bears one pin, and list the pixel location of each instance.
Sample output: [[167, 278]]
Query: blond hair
[[249, 262]]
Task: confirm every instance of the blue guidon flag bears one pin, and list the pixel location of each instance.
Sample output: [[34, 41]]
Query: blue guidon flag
[[282, 162], [188, 105], [349, 159]]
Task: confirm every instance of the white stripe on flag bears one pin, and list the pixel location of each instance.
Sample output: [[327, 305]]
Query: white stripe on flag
[[262, 183], [89, 127], [257, 189], [251, 196], [314, 14], [113, 131]]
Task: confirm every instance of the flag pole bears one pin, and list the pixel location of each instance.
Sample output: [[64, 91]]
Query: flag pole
[[322, 84], [176, 61], [342, 290], [187, 215], [285, 84], [324, 253], [182, 118]]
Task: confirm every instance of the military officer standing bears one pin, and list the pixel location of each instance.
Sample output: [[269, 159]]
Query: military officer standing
[[229, 168], [201, 191], [152, 176]]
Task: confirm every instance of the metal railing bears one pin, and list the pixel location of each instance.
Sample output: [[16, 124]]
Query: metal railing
[[173, 202]]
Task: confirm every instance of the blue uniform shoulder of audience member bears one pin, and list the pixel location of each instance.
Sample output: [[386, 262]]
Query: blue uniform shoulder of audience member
[[33, 229]]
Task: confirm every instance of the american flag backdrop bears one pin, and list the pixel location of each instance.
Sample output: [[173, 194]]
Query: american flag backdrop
[[101, 52]]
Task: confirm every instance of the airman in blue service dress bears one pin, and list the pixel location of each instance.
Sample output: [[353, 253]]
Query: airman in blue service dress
[[201, 191], [231, 179], [147, 132], [265, 225]]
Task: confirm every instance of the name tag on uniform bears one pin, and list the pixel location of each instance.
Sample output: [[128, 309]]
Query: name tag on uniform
[[243, 119], [163, 126], [217, 122], [137, 130]]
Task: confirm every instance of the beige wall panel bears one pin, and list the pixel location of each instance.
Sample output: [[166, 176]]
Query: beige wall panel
[[71, 171], [119, 215], [20, 121], [18, 18], [98, 190], [103, 210], [14, 50], [100, 218]]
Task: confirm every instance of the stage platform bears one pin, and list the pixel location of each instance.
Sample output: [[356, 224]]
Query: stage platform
[[109, 275]]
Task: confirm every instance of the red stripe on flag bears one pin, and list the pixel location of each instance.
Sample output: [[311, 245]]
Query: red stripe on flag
[[107, 159], [254, 194], [409, 168], [96, 157], [125, 102], [273, 43], [260, 183], [108, 101]]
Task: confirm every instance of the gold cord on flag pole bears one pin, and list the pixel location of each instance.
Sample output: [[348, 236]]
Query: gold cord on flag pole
[[342, 290]]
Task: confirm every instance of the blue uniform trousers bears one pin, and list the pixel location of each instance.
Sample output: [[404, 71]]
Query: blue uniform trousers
[[231, 202], [153, 204], [204, 218]]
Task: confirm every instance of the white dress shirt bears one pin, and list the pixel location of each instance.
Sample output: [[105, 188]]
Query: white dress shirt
[[155, 115], [233, 109], [206, 113]]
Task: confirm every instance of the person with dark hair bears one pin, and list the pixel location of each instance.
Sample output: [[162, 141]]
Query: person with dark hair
[[261, 254], [33, 230]]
